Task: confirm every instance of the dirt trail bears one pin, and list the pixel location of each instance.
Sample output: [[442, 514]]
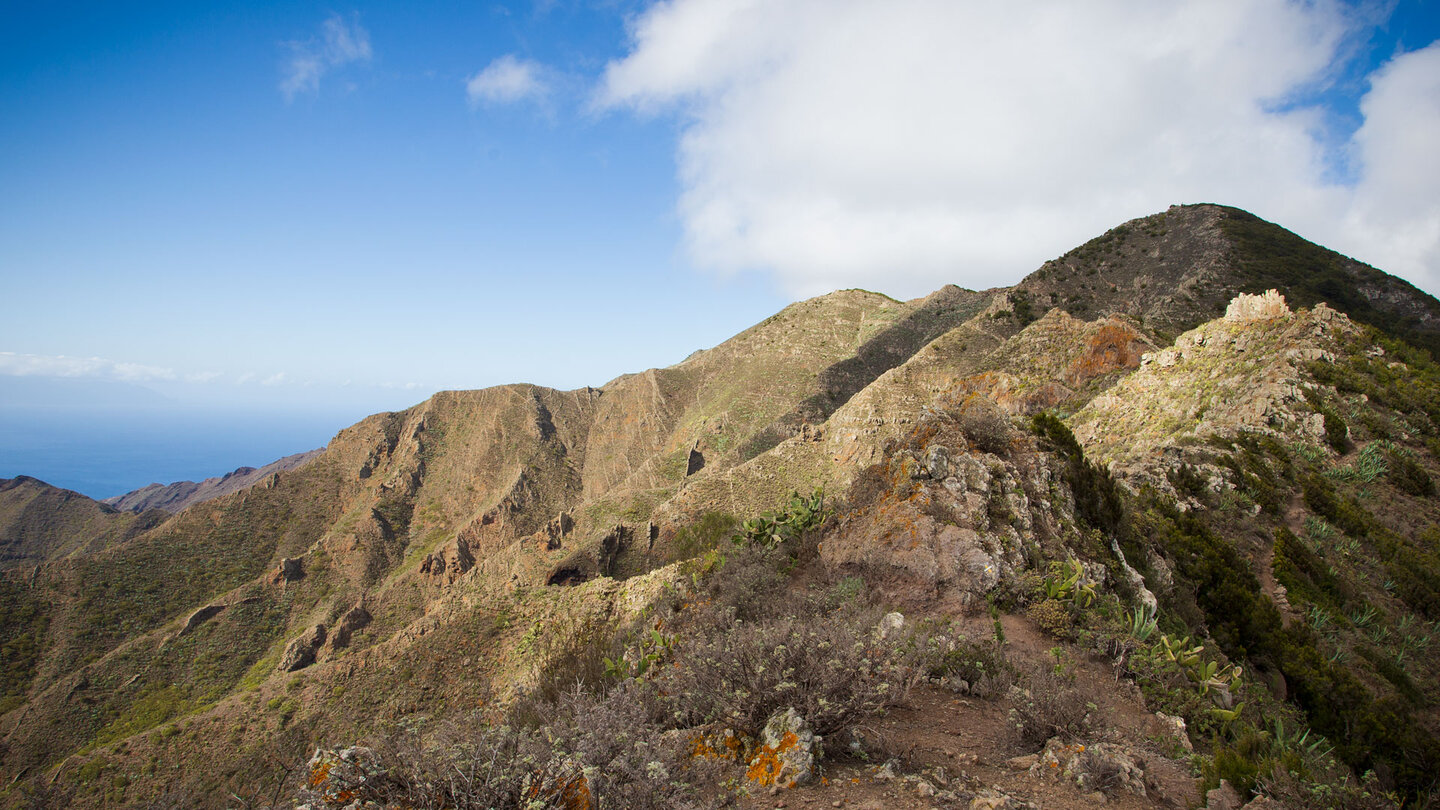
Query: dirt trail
[[965, 746]]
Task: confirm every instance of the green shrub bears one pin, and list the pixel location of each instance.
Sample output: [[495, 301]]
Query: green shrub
[[1097, 498], [1409, 477], [1304, 576], [696, 538], [1054, 617]]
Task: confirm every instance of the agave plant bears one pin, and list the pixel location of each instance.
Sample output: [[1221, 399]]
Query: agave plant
[[1065, 583], [1141, 622], [1299, 740]]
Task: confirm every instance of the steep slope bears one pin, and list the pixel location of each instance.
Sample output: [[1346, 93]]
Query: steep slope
[[175, 497]]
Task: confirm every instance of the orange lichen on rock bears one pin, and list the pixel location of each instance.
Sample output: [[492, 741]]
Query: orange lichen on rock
[[725, 745], [765, 769], [1113, 347], [320, 773], [570, 791]]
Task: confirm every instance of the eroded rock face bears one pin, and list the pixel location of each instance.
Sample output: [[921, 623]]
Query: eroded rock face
[[450, 561], [356, 618], [290, 570], [199, 617], [947, 522]]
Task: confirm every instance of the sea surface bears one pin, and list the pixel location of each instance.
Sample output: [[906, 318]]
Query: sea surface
[[110, 451]]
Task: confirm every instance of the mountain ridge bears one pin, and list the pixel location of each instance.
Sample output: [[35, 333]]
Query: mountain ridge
[[461, 546]]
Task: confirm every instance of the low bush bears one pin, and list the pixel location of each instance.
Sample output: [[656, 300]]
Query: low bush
[[981, 665], [1409, 477], [599, 750], [1052, 706], [985, 424], [833, 671]]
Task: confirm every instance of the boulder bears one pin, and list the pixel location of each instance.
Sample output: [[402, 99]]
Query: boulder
[[343, 778], [291, 569], [1224, 797], [788, 754], [891, 624], [300, 652], [1102, 766]]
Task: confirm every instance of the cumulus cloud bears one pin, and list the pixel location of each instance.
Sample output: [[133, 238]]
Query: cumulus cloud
[[13, 364], [906, 144], [1394, 221], [507, 80], [340, 42]]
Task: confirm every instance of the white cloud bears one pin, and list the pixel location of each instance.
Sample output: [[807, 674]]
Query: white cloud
[[1395, 215], [906, 144], [339, 43], [13, 364], [507, 80]]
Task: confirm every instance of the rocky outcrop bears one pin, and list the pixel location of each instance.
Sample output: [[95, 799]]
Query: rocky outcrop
[[199, 617], [1222, 378], [301, 651], [943, 519], [595, 558], [1103, 767], [292, 569], [1265, 307], [557, 530], [356, 618], [449, 562]]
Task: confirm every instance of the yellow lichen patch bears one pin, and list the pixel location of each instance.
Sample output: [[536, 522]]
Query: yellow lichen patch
[[766, 766]]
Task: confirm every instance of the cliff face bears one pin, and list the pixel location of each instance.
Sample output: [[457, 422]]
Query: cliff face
[[432, 559]]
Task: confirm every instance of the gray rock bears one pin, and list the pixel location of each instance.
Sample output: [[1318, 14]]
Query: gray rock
[[891, 624], [1224, 797], [789, 751]]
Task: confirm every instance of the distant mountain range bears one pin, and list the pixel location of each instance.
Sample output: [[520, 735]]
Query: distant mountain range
[[175, 497], [1136, 429]]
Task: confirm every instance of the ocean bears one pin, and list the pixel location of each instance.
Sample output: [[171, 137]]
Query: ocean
[[107, 452]]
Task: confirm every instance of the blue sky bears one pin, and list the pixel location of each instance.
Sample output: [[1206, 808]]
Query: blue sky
[[170, 205], [341, 208]]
